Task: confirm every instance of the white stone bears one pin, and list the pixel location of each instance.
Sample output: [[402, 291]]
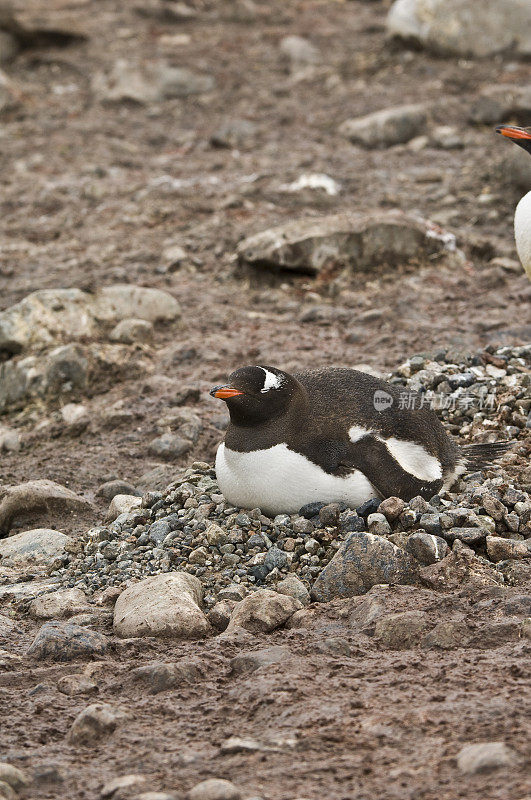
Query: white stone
[[123, 504]]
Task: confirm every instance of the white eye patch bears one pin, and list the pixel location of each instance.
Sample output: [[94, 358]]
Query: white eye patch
[[271, 381]]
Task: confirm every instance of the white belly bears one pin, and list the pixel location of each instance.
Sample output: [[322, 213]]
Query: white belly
[[522, 232], [280, 481]]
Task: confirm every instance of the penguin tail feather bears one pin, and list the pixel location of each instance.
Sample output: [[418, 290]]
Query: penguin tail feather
[[479, 456]]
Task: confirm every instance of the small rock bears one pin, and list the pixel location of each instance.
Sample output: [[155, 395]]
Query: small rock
[[426, 548], [9, 439], [93, 723], [163, 605], [378, 525], [276, 558], [235, 133], [220, 613], [458, 569], [122, 504], [299, 51], [110, 489], [73, 685], [215, 789], [75, 416], [500, 549], [447, 635], [13, 776], [362, 561], [391, 508], [263, 611], [64, 641], [59, 604], [465, 535], [128, 782], [329, 515], [294, 587], [169, 446], [161, 676], [484, 757], [129, 331], [387, 127], [38, 546], [401, 631], [249, 662]]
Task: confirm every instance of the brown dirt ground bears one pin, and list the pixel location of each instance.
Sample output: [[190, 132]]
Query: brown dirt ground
[[82, 205]]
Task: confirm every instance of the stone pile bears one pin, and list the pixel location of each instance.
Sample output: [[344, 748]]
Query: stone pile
[[482, 528]]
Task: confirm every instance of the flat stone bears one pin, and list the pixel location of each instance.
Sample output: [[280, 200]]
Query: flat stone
[[263, 611], [466, 535], [169, 446], [401, 631], [457, 570], [251, 661], [447, 635], [463, 27], [164, 605], [386, 127], [59, 604], [110, 489], [161, 676], [38, 546], [484, 757], [500, 549], [73, 685], [64, 641], [215, 789], [94, 723], [362, 561], [359, 241], [37, 497]]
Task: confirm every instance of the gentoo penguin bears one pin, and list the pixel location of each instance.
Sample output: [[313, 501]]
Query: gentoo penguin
[[522, 216], [332, 435]]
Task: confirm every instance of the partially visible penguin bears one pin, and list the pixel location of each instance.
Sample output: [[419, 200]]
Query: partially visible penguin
[[522, 215], [332, 435]]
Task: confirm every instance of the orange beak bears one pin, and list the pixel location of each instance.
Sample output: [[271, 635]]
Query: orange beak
[[512, 132], [224, 392]]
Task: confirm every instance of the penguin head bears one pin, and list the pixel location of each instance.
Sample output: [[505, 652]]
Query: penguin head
[[256, 394], [521, 136]]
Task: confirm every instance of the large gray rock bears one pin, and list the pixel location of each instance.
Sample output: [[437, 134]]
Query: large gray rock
[[37, 497], [463, 27], [44, 317], [362, 561], [386, 127], [37, 546], [359, 241], [263, 611], [163, 605]]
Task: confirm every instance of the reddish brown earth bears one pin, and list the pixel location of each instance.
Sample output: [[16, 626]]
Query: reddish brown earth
[[82, 205]]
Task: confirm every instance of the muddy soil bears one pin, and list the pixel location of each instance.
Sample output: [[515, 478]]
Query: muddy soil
[[94, 193]]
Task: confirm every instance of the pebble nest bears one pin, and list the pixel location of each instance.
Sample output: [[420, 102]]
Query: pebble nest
[[480, 397]]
